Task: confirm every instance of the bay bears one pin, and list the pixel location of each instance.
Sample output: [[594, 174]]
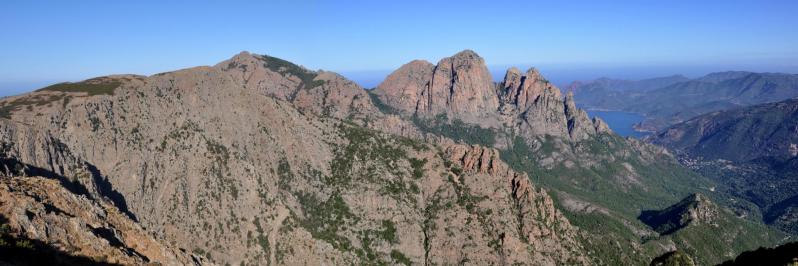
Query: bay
[[620, 122]]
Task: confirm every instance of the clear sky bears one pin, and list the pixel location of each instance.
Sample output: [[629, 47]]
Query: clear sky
[[44, 42]]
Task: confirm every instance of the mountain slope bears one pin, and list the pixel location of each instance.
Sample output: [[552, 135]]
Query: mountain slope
[[611, 94], [696, 219], [601, 181], [742, 134], [39, 210], [752, 150]]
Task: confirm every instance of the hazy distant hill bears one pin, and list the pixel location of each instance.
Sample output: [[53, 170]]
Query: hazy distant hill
[[742, 134], [681, 99], [630, 85], [612, 94]]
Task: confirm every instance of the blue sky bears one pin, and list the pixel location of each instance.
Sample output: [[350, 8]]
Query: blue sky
[[43, 42]]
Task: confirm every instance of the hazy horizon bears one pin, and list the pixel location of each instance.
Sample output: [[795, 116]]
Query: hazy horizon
[[62, 41], [215, 132], [560, 76]]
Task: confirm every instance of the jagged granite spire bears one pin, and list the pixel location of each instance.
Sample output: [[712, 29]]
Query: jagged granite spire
[[461, 87]]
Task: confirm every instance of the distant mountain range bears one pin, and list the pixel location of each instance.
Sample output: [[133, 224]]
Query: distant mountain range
[[673, 99]]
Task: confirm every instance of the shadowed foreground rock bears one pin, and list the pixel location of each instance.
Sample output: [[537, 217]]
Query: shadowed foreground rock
[[79, 229]]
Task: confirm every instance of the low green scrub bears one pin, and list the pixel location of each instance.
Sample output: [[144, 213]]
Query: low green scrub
[[30, 102], [306, 77], [400, 258], [326, 219], [607, 182], [456, 130], [384, 108], [91, 87]]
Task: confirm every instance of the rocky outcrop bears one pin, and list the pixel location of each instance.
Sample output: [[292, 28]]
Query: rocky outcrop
[[43, 210], [461, 87], [31, 152], [535, 221], [520, 92], [601, 126], [695, 209], [696, 216], [579, 124], [403, 88], [461, 84], [318, 92]]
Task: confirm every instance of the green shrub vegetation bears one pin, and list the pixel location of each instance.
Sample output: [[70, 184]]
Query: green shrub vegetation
[[418, 167], [400, 258], [384, 108], [607, 183], [326, 219], [30, 102], [306, 77], [92, 87], [456, 130], [376, 156], [263, 241]]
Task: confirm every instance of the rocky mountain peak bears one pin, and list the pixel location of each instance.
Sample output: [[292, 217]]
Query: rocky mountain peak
[[569, 99], [697, 208], [461, 87], [521, 91], [468, 54], [512, 77], [460, 84], [243, 55], [243, 61], [484, 171], [601, 126], [533, 72], [402, 89]]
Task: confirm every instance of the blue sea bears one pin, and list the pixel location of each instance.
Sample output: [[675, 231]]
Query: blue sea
[[620, 122]]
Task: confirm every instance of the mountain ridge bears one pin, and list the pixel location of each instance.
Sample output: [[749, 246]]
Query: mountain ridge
[[278, 164], [668, 104], [251, 151]]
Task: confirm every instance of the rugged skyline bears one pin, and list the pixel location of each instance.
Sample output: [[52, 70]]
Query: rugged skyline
[[398, 133], [45, 42], [279, 164]]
